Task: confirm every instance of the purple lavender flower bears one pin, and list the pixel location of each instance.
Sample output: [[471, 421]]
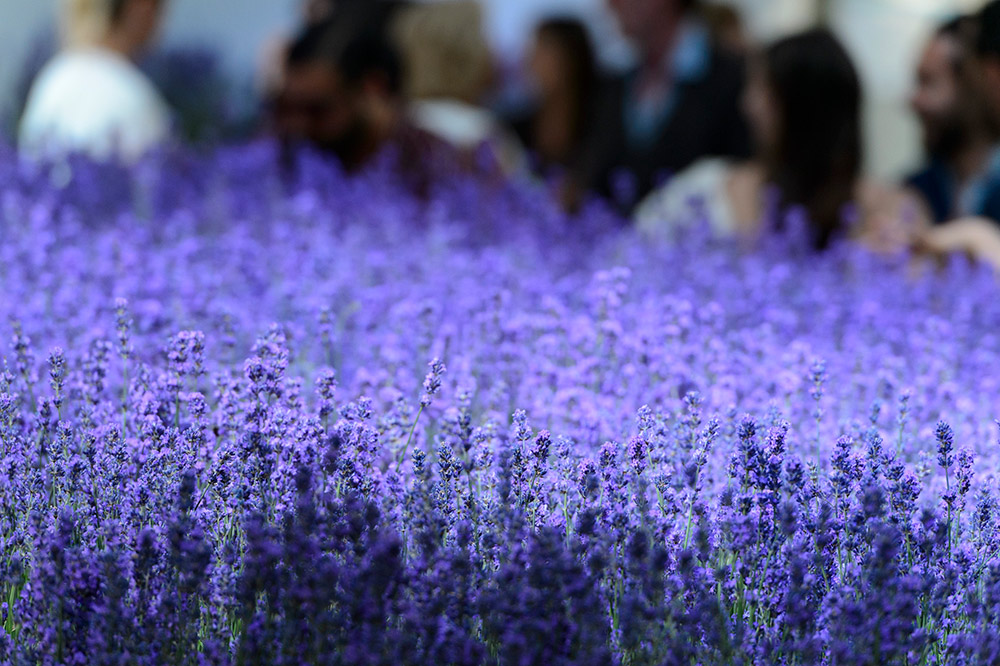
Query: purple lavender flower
[[432, 382], [124, 328], [637, 452], [57, 375], [945, 444], [195, 502]]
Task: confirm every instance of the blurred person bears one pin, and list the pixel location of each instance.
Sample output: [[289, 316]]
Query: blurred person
[[343, 95], [959, 133], [680, 104], [91, 98], [988, 53], [449, 70], [803, 104], [341, 89], [564, 80], [978, 235], [983, 192], [271, 63]]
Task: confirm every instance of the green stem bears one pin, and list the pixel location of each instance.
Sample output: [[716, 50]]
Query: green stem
[[125, 399], [947, 488], [406, 446], [690, 511]]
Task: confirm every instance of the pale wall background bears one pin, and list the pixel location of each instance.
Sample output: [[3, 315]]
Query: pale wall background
[[883, 35]]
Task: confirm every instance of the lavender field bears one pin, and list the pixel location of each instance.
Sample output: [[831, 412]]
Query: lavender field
[[254, 418]]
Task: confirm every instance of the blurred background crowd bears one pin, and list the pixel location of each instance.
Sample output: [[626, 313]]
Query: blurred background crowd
[[878, 119]]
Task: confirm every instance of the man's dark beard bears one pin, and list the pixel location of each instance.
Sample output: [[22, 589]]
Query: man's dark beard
[[950, 137]]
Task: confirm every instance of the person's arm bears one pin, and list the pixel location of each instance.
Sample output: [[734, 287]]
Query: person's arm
[[893, 218], [977, 237]]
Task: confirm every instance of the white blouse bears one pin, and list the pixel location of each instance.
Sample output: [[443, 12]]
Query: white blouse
[[467, 127], [93, 101], [699, 190]]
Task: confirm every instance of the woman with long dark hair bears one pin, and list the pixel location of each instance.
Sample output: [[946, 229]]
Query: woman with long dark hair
[[563, 72], [803, 104]]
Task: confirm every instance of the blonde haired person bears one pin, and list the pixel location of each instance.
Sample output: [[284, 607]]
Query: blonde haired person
[[449, 69], [91, 98]]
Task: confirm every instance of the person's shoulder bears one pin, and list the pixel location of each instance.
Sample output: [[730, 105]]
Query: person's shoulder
[[704, 181], [90, 63], [128, 81], [460, 124], [61, 70], [98, 76], [67, 83], [706, 170]]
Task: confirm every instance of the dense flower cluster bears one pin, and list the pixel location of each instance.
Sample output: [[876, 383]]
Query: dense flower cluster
[[254, 418]]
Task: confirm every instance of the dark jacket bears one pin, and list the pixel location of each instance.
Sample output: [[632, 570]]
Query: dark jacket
[[703, 119], [938, 185]]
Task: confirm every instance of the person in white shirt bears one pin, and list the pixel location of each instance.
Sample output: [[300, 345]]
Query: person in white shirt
[[449, 69], [802, 102], [91, 98]]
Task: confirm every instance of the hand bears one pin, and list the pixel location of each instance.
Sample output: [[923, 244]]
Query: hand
[[976, 237], [892, 220]]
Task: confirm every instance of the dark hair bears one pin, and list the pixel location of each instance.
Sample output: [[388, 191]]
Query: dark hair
[[116, 9], [570, 36], [988, 39], [818, 157], [964, 31], [354, 41], [326, 9]]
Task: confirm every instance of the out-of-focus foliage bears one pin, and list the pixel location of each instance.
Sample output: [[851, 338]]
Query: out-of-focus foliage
[[248, 416]]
